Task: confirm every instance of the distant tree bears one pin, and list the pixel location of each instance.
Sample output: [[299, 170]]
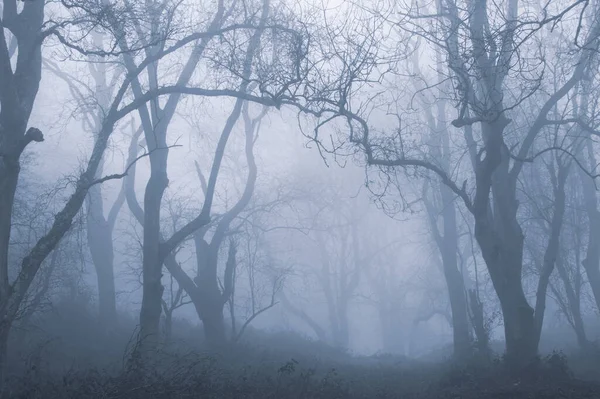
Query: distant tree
[[176, 298], [442, 213], [264, 276], [94, 102], [261, 57]]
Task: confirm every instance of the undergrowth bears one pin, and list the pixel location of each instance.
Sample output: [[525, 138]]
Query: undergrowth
[[250, 373], [67, 360]]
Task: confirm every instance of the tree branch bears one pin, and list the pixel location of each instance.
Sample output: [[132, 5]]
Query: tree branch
[[124, 174]]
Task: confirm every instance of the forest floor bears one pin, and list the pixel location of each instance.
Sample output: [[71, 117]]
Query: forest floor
[[300, 374], [71, 358]]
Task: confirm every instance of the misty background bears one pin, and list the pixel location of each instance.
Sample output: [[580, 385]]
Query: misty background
[[414, 179]]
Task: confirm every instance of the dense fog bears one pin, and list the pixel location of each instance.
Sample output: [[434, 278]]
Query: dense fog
[[351, 198]]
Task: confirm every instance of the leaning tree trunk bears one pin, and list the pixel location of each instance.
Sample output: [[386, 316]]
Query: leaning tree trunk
[[319, 331]]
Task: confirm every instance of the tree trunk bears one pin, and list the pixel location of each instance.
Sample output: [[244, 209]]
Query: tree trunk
[[574, 306], [447, 242], [551, 253], [390, 326], [9, 176], [460, 323], [152, 261], [503, 257], [18, 90], [100, 242], [343, 328], [454, 278], [4, 332], [319, 331], [211, 305], [591, 263], [213, 322], [168, 325], [478, 321], [501, 239]]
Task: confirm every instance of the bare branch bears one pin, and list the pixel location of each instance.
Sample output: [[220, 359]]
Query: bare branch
[[124, 174]]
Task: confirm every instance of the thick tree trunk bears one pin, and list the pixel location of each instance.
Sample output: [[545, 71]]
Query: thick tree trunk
[[504, 258], [12, 144], [213, 322], [501, 239], [519, 331], [18, 90], [502, 250]]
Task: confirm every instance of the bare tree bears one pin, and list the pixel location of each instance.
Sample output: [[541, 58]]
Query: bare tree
[[265, 278], [208, 297], [94, 102], [440, 202], [389, 298], [276, 79], [482, 47], [18, 91]]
